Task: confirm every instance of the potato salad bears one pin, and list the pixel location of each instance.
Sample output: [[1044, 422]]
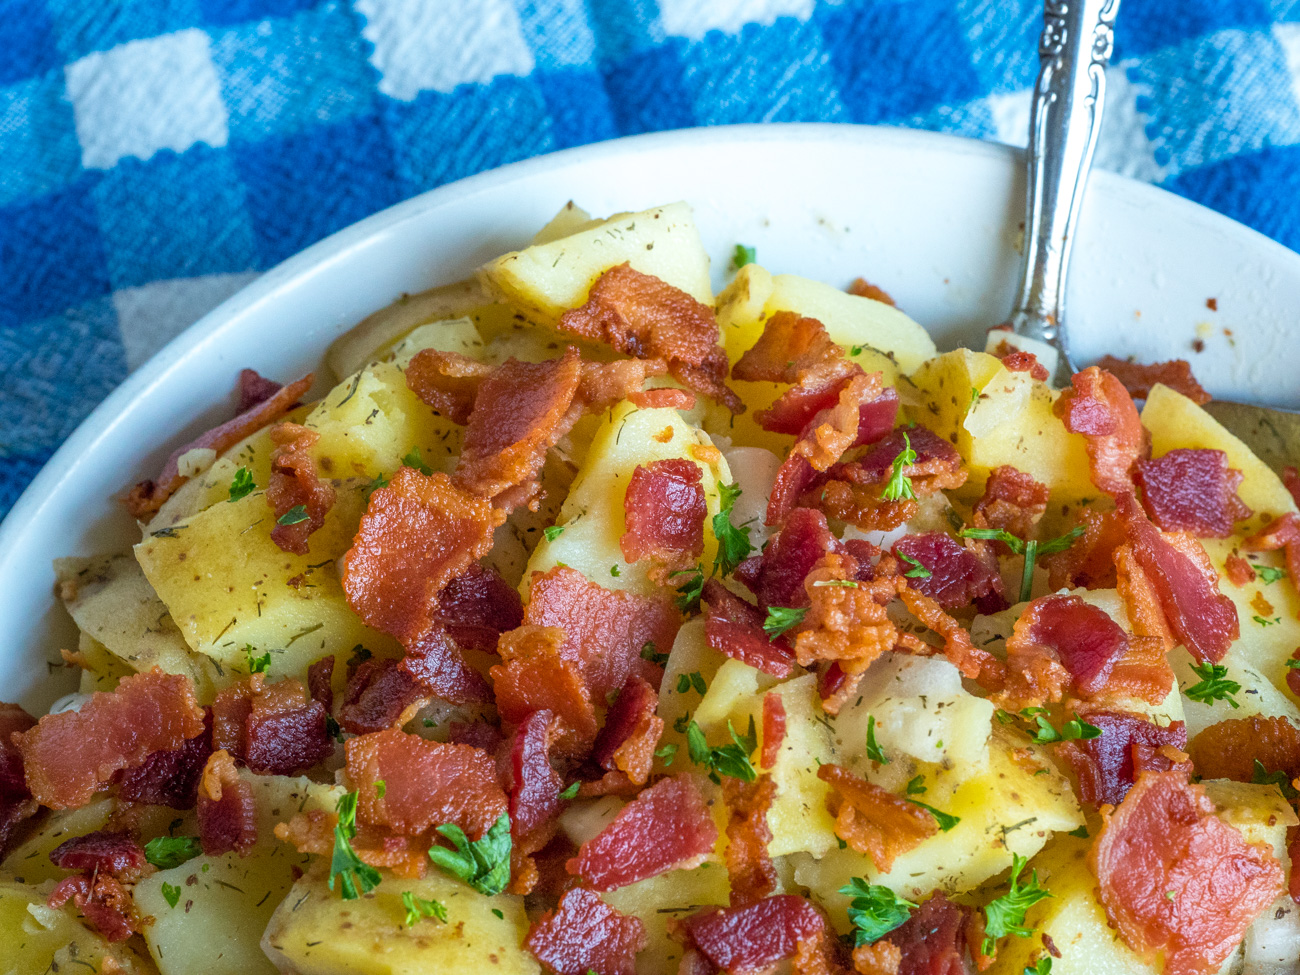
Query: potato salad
[[576, 619]]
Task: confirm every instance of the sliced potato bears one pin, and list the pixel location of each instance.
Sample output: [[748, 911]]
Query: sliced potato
[[29, 862], [100, 670], [669, 897], [545, 280], [315, 932], [570, 219], [690, 654]]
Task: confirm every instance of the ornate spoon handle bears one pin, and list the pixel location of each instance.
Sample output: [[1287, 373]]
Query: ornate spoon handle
[[1064, 120]]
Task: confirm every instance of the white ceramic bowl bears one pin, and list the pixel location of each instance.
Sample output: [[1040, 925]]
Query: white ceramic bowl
[[933, 219]]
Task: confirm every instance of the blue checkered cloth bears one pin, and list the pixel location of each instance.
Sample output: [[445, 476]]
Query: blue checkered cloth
[[156, 155]]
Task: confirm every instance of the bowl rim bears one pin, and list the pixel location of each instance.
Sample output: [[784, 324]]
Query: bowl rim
[[100, 422]]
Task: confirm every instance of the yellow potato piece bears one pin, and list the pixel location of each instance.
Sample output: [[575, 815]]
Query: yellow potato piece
[[39, 940]]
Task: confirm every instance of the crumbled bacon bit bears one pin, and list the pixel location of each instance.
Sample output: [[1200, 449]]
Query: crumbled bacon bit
[[1108, 765], [535, 675], [1229, 749], [417, 534], [1281, 533], [103, 902], [605, 629], [735, 628], [666, 827], [957, 575], [1083, 638], [1238, 570], [1088, 563], [973, 662], [664, 512], [749, 867], [1099, 408], [255, 388], [789, 350], [226, 812], [879, 958], [642, 316], [935, 939], [16, 803], [285, 729], [1165, 837], [477, 606], [69, 756], [773, 728], [865, 289], [147, 497], [320, 682], [428, 783], [1018, 360], [776, 577], [1202, 618], [439, 668], [1012, 501], [111, 852], [751, 939], [1138, 378], [874, 821], [379, 695], [663, 398], [313, 832], [447, 381], [584, 934], [1193, 491], [295, 484], [534, 795], [627, 741], [844, 623], [1291, 480]]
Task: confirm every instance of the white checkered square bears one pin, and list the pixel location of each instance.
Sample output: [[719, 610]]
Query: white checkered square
[[150, 316], [422, 46], [695, 18], [137, 98]]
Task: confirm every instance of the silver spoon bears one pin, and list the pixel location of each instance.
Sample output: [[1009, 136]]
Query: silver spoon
[[1064, 121]]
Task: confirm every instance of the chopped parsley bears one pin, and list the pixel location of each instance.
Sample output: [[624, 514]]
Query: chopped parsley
[[1041, 967], [734, 545], [413, 459], [1006, 915], [873, 750], [916, 786], [1267, 622], [730, 760], [1293, 664], [295, 515], [553, 532], [570, 791], [694, 679], [355, 877], [835, 584], [334, 731], [257, 665], [689, 592], [974, 398], [483, 864], [900, 485], [1268, 574], [242, 485], [171, 894], [1262, 776], [648, 653], [381, 788], [874, 910], [743, 255], [945, 821], [1029, 549], [1214, 685], [418, 908], [1075, 729], [165, 852], [1081, 832], [613, 570], [380, 481], [917, 570], [782, 618], [667, 753]]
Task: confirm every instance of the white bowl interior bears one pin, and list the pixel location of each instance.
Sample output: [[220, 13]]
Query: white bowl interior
[[933, 219]]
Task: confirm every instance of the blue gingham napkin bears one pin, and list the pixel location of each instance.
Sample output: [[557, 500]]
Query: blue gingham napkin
[[156, 155]]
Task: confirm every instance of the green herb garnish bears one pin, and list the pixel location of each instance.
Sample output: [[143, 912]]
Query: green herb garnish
[[165, 852], [648, 653], [945, 821], [873, 750], [570, 791], [782, 618], [918, 571], [295, 515], [743, 255], [418, 908], [1262, 776], [874, 910], [1268, 574], [730, 760], [1006, 915], [413, 459], [483, 864], [900, 485], [242, 485], [171, 894], [689, 592], [916, 786], [1029, 549], [1075, 729], [355, 877], [1214, 685], [734, 545], [553, 532], [257, 665]]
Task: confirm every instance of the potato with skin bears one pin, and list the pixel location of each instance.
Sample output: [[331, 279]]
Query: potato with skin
[[39, 939], [315, 932]]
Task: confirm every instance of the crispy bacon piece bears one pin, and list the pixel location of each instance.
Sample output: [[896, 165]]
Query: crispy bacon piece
[[1018, 360], [320, 682], [605, 629], [103, 851], [1193, 491], [1281, 533], [773, 728], [68, 756], [1202, 618], [1083, 638], [536, 676], [295, 484], [147, 497], [1238, 570], [1229, 749], [880, 958], [972, 661], [735, 628], [255, 388], [776, 577], [752, 874], [639, 315], [664, 511], [286, 731], [663, 398], [447, 381], [477, 606], [751, 939], [1165, 837], [379, 695], [16, 803], [1099, 408], [1089, 562], [226, 812], [1293, 673], [666, 827], [957, 576], [1129, 744], [627, 742], [1138, 378], [417, 535], [1291, 480], [428, 783], [872, 820], [790, 349], [534, 785], [437, 665], [1012, 501], [934, 940], [844, 623], [584, 934], [865, 289], [102, 901]]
